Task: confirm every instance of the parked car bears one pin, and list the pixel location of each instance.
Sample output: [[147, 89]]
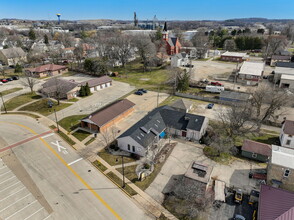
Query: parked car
[[15, 77], [139, 93], [9, 79], [216, 83], [189, 65], [4, 80], [210, 105], [238, 196], [142, 90], [239, 217]]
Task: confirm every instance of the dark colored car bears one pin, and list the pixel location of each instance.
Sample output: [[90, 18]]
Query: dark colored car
[[142, 90], [15, 77], [210, 105], [216, 84], [4, 80], [189, 65], [139, 93], [9, 79]]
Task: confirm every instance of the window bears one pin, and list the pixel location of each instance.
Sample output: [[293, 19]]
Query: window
[[133, 148], [254, 155], [129, 147], [288, 142], [286, 173]]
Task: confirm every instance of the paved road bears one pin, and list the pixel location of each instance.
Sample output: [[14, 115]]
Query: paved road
[[69, 185], [94, 102]]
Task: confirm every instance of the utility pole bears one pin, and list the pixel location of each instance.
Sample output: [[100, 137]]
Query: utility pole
[[123, 170], [3, 103], [56, 121], [235, 78]]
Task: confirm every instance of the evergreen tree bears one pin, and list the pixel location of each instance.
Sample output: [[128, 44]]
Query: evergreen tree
[[18, 68], [32, 34], [82, 91], [183, 81], [46, 40], [87, 90]]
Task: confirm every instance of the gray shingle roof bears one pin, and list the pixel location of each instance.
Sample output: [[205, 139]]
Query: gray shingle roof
[[54, 84], [182, 104], [285, 64], [145, 130], [13, 52]]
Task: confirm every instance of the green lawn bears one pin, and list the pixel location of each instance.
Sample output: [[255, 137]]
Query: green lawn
[[118, 181], [6, 92], [81, 135], [131, 175], [73, 100], [72, 122], [99, 165], [41, 107], [20, 100], [111, 159], [151, 80], [90, 141]]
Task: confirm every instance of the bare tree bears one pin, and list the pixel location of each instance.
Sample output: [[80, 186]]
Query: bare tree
[[121, 49], [29, 82], [273, 44], [267, 102], [201, 42], [230, 45], [145, 49], [79, 54], [109, 134]]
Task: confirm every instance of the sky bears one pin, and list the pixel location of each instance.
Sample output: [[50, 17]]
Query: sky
[[146, 9]]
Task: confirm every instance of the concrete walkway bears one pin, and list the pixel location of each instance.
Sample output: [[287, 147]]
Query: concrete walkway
[[142, 198]]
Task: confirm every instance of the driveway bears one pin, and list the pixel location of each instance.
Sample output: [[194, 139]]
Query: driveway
[[96, 101], [234, 174]]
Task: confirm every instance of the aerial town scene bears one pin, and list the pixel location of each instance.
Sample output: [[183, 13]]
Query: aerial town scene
[[146, 110]]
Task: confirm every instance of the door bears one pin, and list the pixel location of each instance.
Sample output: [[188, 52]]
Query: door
[[184, 133]]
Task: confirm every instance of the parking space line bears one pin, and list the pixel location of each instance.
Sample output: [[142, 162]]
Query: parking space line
[[2, 174], [34, 213], [8, 179], [12, 194], [20, 210], [15, 202], [10, 186], [74, 161], [47, 217]]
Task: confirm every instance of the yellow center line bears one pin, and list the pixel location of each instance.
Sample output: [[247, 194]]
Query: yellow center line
[[71, 169]]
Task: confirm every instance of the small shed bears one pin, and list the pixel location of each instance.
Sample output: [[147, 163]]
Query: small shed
[[256, 150], [219, 191]]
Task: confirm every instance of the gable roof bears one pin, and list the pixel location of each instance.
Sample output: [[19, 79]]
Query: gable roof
[[46, 68], [288, 127], [257, 147], [107, 114], [172, 41], [13, 52], [182, 104], [57, 83], [285, 64], [281, 57], [252, 68], [275, 204], [97, 81], [145, 130]]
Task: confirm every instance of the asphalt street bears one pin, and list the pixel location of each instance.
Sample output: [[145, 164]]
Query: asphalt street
[[70, 188]]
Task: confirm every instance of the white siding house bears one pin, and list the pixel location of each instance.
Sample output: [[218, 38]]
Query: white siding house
[[287, 134], [178, 60]]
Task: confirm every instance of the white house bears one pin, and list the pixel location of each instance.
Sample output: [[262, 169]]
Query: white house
[[98, 83], [179, 59], [145, 134], [283, 68], [251, 72], [287, 134]]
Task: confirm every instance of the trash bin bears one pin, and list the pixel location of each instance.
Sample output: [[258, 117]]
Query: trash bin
[[95, 135]]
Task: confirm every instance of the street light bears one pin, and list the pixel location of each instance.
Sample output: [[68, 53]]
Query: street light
[[3, 103], [123, 170]]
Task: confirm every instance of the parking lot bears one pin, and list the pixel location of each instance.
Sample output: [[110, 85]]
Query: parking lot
[[16, 201]]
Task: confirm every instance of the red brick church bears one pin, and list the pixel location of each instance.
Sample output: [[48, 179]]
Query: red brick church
[[173, 46]]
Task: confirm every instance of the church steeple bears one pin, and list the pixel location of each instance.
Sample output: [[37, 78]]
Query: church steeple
[[164, 32]]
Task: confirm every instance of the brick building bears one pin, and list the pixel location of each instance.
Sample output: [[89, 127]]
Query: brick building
[[234, 57], [46, 70], [102, 119], [173, 45]]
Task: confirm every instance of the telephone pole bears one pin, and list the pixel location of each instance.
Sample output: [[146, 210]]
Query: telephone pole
[[56, 121]]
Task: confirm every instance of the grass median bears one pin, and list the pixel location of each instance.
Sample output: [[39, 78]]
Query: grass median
[[118, 181], [6, 92], [21, 100]]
